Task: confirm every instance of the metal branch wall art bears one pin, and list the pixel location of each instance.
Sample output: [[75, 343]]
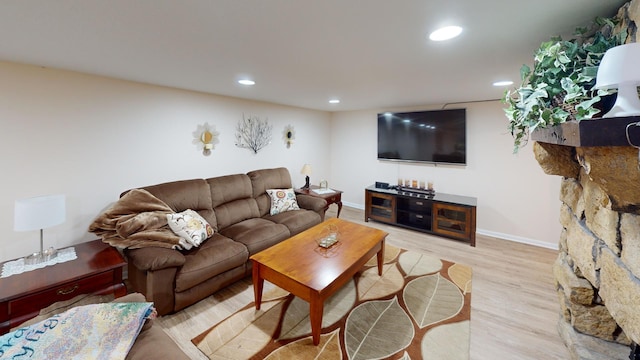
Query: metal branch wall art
[[253, 133]]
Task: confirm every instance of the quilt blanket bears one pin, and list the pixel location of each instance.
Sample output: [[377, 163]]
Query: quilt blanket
[[97, 331]]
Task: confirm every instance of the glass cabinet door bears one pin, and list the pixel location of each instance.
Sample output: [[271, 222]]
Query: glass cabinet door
[[452, 220], [381, 207]]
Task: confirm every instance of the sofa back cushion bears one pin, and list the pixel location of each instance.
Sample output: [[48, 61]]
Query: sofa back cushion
[[187, 194], [232, 199], [264, 179]]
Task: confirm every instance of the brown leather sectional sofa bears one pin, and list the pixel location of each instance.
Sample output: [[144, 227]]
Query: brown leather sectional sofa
[[237, 206]]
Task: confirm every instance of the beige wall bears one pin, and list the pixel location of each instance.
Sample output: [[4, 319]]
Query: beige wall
[[516, 200], [92, 137]]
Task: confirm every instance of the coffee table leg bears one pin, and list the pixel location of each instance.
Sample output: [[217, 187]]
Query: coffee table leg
[[258, 283], [381, 258], [316, 306]]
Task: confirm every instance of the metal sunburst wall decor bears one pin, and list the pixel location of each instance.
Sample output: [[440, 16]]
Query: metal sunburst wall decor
[[288, 135], [205, 138]]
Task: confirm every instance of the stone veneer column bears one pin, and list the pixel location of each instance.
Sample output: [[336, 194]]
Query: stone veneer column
[[599, 261]]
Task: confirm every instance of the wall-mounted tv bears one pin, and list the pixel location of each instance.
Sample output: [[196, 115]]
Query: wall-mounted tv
[[434, 136]]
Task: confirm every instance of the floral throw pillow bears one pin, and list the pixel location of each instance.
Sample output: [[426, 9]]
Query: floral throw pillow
[[282, 200], [190, 226]]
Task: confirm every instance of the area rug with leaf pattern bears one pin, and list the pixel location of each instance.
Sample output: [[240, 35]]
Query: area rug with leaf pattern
[[418, 309]]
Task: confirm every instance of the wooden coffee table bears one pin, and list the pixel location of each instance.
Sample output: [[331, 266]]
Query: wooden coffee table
[[313, 274]]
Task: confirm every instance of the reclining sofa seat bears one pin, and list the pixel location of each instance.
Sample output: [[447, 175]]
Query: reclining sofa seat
[[237, 207]]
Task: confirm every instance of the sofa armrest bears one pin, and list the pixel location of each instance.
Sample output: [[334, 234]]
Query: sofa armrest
[[132, 297], [155, 258], [309, 202], [152, 342]]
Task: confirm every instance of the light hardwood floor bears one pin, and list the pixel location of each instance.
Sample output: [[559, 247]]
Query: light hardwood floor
[[514, 307]]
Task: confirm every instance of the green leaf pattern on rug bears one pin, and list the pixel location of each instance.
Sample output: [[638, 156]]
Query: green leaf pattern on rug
[[431, 299], [372, 321], [243, 334], [390, 254], [373, 286], [328, 348], [415, 264], [296, 318], [365, 319], [449, 341], [461, 276]]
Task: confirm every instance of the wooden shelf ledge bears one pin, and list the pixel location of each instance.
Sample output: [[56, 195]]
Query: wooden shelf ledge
[[591, 132]]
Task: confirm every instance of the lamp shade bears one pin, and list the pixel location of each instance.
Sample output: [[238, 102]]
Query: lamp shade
[[306, 170], [39, 212], [619, 69]]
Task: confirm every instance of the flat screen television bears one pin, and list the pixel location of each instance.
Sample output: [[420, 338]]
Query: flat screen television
[[433, 136]]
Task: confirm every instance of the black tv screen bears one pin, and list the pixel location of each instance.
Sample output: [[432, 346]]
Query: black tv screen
[[435, 136]]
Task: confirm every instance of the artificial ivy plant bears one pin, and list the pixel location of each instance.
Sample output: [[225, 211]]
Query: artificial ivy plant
[[560, 85]]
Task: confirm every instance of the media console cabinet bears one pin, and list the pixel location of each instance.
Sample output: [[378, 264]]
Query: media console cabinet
[[452, 216]]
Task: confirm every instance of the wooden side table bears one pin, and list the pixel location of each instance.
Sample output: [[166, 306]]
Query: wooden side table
[[97, 270], [332, 198]]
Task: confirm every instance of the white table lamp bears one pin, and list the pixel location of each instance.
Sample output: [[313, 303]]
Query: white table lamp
[[619, 69], [39, 213], [306, 170]]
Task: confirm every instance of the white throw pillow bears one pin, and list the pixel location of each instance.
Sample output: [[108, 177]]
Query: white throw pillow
[[190, 226], [282, 200]]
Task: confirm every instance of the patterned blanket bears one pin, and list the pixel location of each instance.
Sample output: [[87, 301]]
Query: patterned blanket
[[97, 331]]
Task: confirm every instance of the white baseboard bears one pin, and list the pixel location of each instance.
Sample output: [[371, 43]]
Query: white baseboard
[[516, 238], [353, 205], [495, 234]]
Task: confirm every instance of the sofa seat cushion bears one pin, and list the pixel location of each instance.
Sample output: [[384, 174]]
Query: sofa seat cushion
[[296, 221], [256, 234], [213, 257]]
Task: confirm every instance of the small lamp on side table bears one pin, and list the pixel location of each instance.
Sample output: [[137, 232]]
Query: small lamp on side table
[[39, 213], [306, 170]]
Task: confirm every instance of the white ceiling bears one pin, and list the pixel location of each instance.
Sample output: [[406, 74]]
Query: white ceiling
[[371, 54]]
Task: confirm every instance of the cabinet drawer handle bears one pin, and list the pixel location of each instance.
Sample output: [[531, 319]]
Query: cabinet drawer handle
[[419, 216], [419, 203], [68, 291]]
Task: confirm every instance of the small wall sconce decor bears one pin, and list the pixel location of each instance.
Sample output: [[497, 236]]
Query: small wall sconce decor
[[288, 135], [253, 133], [205, 138]]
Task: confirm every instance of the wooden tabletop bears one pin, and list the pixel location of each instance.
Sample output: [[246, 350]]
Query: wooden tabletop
[[307, 264], [93, 257], [309, 191]]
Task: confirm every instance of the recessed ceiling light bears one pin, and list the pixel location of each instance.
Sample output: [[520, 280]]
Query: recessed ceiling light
[[334, 101], [246, 82], [445, 33], [503, 83]]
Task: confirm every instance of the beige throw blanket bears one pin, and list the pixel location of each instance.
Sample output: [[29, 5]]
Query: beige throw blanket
[[138, 219]]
